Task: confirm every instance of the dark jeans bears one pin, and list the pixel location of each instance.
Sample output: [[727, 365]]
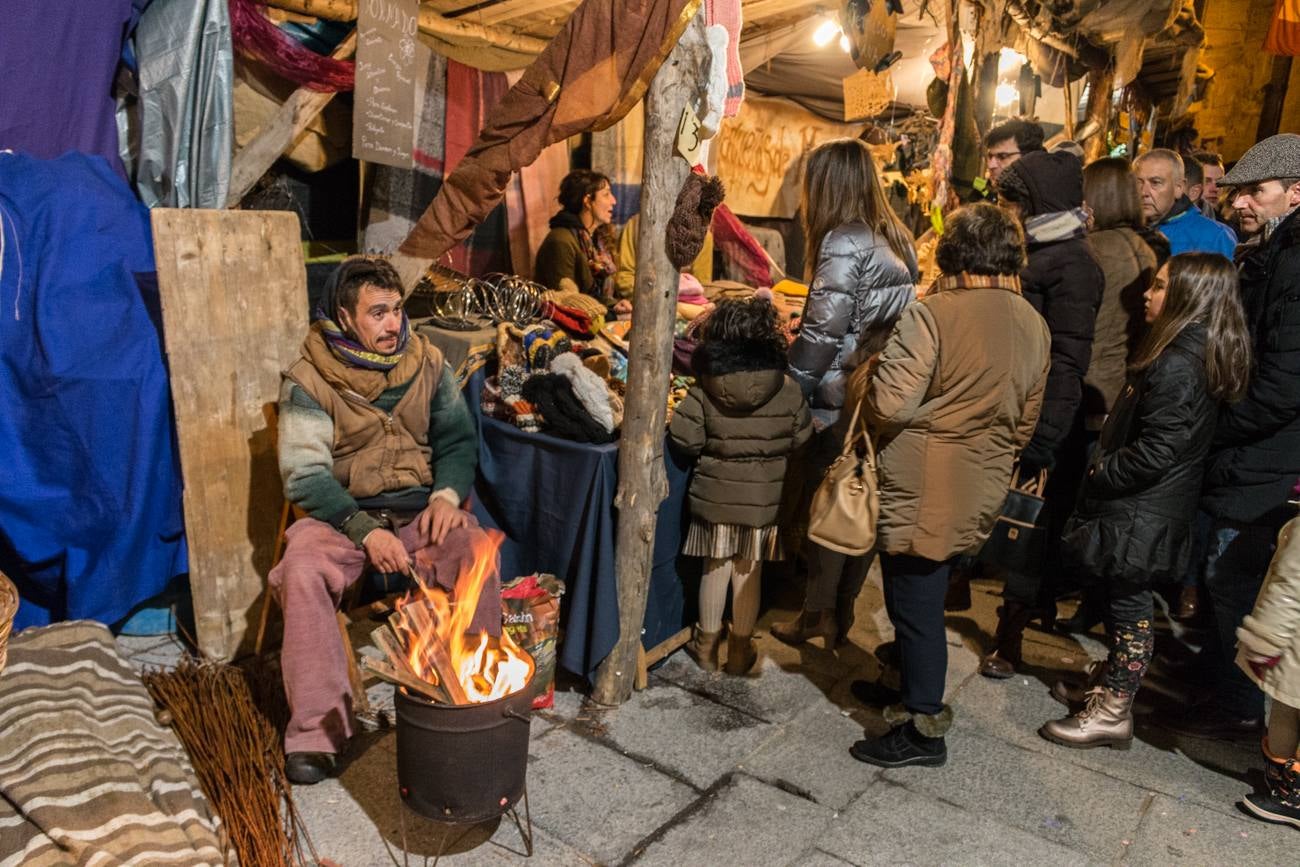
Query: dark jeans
[[1235, 566], [914, 591], [1202, 524]]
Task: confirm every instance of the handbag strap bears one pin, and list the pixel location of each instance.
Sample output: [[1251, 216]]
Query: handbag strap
[[1034, 487], [857, 431]]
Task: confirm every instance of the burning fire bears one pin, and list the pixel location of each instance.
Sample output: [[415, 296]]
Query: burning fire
[[434, 632]]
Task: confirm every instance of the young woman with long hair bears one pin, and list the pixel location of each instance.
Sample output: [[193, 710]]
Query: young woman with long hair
[[1133, 523], [863, 272]]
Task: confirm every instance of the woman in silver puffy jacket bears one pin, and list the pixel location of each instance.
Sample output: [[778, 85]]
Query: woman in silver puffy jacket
[[864, 271]]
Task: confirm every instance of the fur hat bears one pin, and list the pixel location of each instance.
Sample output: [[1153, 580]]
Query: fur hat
[[1277, 156], [691, 218]]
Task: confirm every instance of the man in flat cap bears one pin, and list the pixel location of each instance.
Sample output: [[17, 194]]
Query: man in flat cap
[[1255, 456]]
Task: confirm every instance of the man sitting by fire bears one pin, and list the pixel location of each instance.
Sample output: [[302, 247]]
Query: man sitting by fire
[[377, 446]]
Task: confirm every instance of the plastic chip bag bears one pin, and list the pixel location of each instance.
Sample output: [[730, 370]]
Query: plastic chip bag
[[530, 613]]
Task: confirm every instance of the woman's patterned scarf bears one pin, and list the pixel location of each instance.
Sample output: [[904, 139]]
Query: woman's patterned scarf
[[977, 281], [595, 249], [353, 353]]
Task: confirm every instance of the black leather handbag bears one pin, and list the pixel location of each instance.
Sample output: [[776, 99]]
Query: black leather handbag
[[1020, 532]]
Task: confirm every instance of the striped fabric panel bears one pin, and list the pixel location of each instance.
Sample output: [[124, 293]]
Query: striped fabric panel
[[86, 773]]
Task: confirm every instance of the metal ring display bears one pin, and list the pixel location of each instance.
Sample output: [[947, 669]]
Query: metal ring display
[[498, 297]]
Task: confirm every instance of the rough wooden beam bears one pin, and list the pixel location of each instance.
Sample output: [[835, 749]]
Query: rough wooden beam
[[760, 9], [503, 11], [299, 110], [432, 22], [642, 483]]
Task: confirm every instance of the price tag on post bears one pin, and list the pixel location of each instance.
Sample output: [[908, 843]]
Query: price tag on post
[[690, 137]]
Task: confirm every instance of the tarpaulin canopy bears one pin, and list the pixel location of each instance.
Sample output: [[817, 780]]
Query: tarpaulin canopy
[[90, 508]]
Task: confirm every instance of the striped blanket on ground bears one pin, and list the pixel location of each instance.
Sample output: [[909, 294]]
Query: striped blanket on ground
[[87, 776]]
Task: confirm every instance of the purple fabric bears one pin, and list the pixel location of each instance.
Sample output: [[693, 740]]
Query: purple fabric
[[56, 94]]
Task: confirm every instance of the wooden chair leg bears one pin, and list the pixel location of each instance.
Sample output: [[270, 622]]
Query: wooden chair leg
[[360, 702], [642, 671], [267, 596]]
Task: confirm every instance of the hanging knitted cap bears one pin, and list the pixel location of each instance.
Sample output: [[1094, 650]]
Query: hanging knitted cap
[[691, 218], [1277, 156]]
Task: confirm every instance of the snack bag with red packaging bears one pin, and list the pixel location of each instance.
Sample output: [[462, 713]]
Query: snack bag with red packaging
[[530, 613]]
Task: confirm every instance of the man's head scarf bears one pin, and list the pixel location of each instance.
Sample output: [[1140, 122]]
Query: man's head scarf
[[358, 271]]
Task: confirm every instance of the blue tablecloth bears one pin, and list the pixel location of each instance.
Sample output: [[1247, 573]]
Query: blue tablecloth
[[554, 500]]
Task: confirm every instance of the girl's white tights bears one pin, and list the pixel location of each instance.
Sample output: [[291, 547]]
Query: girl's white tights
[[742, 576]]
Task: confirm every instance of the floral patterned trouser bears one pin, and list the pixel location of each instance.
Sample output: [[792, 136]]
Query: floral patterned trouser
[[1132, 644]]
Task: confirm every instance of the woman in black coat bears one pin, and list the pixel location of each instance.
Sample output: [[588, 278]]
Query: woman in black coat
[[1133, 523]]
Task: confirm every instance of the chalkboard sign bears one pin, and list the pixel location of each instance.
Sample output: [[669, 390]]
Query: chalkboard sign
[[383, 112]]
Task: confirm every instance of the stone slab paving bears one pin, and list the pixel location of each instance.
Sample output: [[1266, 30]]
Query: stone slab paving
[[706, 769], [891, 824], [722, 829]]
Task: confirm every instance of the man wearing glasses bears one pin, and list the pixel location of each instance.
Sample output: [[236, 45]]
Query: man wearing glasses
[[1008, 142]]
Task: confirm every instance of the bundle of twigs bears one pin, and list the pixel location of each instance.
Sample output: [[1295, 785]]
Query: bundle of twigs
[[235, 750]]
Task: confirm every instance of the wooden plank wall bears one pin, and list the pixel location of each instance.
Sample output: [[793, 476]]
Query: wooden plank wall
[[234, 301]]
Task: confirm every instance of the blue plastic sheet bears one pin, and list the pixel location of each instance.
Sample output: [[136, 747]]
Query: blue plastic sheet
[[90, 506], [554, 500]]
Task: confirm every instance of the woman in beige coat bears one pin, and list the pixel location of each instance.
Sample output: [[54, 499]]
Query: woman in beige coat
[[1268, 642], [953, 398]]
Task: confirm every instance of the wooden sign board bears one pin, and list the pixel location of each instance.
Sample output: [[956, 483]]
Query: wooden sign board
[[760, 154], [867, 94], [234, 303], [388, 62]]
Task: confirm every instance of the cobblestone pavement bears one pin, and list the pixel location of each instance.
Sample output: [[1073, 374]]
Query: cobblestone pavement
[[705, 769]]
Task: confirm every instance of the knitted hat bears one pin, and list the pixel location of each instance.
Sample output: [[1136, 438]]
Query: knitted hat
[[1277, 156], [691, 218]]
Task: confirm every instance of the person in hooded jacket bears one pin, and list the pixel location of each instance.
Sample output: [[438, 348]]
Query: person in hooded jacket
[[1064, 283], [742, 420], [864, 273], [1134, 521]]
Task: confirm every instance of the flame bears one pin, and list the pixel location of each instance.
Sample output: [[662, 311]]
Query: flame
[[428, 621]]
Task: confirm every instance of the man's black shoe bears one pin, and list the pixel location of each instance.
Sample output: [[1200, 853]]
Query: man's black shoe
[[1210, 722], [874, 694], [901, 746], [306, 769], [1270, 809]]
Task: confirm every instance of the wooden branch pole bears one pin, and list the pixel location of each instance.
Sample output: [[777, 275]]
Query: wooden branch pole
[[1100, 84], [465, 32], [642, 484], [282, 130]]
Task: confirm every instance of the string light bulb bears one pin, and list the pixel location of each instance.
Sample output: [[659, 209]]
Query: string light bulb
[[825, 32]]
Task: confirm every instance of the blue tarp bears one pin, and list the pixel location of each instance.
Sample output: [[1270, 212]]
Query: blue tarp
[[90, 503]]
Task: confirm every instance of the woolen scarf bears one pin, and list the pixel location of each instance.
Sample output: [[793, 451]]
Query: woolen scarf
[[1056, 226], [599, 258], [977, 281]]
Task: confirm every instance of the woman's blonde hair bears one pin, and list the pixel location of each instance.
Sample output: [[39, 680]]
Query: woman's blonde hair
[[1202, 288], [840, 185]]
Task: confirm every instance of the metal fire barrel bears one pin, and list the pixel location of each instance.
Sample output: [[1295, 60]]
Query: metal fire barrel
[[462, 763]]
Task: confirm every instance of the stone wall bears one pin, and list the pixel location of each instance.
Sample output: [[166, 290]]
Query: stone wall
[[1229, 118]]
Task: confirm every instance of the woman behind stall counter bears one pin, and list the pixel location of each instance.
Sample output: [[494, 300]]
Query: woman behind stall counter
[[577, 255]]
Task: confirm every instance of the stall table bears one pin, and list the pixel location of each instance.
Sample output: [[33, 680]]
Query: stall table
[[554, 501]]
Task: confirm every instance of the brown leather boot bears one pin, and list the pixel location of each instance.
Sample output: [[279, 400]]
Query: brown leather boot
[[809, 624], [1105, 721], [1005, 658], [741, 654], [703, 648]]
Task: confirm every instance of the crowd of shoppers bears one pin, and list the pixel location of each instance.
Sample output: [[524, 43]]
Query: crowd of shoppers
[[1109, 326]]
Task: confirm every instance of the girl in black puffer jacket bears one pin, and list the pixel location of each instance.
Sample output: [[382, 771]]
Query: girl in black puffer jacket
[[1133, 522]]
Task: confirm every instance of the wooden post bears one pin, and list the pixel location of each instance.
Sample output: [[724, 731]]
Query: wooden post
[[282, 130], [642, 484], [1100, 84], [1270, 118]]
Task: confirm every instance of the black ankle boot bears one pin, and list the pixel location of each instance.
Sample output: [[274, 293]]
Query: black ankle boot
[[1281, 804], [901, 746]]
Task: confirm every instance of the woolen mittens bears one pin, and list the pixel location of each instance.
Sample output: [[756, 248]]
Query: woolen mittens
[[691, 218]]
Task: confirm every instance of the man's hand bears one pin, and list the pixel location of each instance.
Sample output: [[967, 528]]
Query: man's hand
[[623, 306], [439, 518], [386, 552]]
